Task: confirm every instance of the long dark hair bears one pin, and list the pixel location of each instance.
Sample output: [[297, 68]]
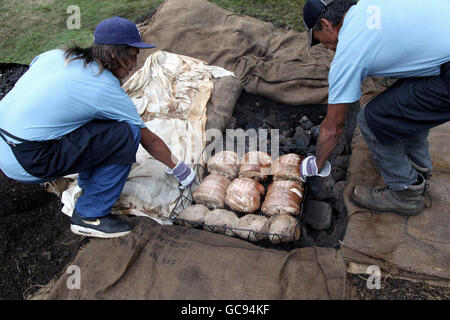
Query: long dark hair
[[107, 56]]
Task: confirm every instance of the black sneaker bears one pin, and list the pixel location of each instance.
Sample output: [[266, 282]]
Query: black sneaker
[[109, 226]]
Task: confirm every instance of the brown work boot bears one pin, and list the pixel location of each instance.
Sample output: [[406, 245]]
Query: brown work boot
[[408, 202]]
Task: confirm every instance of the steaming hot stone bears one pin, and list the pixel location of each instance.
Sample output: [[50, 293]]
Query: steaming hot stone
[[253, 227], [255, 165], [283, 228], [195, 213], [287, 167], [224, 163], [244, 195], [283, 197], [220, 220], [211, 192]]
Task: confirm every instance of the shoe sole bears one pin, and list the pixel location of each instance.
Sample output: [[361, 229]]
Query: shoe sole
[[83, 231], [401, 212]]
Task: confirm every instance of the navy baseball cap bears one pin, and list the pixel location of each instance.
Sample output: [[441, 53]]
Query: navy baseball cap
[[118, 30], [311, 11]]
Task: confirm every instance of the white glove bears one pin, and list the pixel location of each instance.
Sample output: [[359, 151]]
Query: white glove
[[309, 168], [184, 174]]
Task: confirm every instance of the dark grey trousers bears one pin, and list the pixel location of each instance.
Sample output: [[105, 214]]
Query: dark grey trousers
[[392, 160]]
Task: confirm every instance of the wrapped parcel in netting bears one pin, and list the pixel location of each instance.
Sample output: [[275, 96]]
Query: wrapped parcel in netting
[[249, 200]]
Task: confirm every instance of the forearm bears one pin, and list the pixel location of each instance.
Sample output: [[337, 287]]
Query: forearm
[[157, 148], [331, 130], [327, 141]]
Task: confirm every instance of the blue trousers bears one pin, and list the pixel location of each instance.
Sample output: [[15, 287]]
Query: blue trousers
[[103, 185], [392, 159]]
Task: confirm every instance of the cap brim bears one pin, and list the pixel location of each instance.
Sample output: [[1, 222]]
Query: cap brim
[[142, 45], [311, 41]]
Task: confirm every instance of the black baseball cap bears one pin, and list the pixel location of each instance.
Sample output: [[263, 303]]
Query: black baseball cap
[[311, 11], [117, 30]]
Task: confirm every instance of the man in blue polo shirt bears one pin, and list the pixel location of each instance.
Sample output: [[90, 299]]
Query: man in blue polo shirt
[[69, 114], [404, 39]]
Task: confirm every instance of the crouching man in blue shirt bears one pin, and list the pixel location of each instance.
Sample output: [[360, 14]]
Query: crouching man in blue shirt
[[69, 114], [376, 38]]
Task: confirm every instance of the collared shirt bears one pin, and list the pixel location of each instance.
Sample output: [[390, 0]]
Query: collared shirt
[[391, 38]]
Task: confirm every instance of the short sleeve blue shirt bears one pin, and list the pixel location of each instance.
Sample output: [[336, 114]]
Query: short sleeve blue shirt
[[391, 38], [54, 98]]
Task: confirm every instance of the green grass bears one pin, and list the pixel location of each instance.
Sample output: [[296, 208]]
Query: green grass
[[286, 14], [29, 27]]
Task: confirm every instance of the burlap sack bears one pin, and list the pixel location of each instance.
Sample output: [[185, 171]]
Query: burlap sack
[[416, 247], [222, 102], [268, 61], [180, 263]]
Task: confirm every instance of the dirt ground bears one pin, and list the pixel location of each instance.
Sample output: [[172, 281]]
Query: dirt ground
[[35, 240], [396, 289], [36, 243]]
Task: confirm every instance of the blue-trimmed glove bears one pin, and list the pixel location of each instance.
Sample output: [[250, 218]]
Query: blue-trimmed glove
[[184, 174], [309, 168]]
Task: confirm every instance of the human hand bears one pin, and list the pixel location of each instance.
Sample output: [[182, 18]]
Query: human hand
[[309, 168], [184, 174]]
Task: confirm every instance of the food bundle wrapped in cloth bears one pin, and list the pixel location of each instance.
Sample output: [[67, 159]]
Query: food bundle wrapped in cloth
[[244, 195], [225, 163], [211, 192], [283, 197], [287, 167], [256, 165]]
